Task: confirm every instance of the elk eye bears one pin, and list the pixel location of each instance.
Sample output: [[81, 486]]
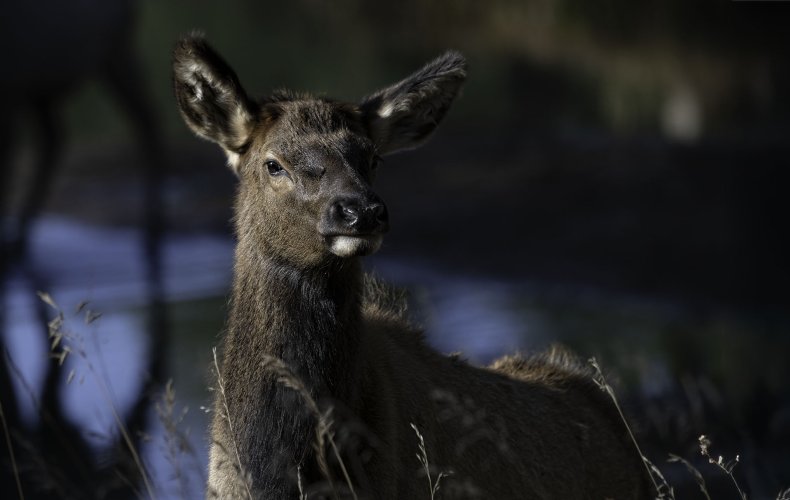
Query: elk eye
[[376, 162], [274, 168]]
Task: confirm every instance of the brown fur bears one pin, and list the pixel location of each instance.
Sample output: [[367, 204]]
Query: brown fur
[[523, 428]]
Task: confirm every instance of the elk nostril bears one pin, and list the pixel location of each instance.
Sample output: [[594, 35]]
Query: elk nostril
[[357, 214], [348, 213], [379, 211]]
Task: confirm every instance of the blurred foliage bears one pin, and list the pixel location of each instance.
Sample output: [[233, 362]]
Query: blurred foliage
[[611, 65]]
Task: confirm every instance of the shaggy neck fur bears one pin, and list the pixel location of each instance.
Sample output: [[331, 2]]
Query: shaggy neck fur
[[306, 317]]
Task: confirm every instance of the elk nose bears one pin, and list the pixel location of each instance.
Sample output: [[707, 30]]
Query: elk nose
[[379, 212], [348, 211], [360, 215]]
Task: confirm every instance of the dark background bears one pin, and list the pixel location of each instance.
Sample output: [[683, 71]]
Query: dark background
[[613, 177]]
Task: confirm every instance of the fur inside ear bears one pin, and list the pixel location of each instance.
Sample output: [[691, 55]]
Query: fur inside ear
[[404, 115], [210, 97]]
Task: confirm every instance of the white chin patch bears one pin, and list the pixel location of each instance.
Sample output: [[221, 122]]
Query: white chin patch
[[351, 246]]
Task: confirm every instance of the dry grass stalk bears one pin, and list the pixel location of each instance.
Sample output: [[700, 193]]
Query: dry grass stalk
[[11, 453], [663, 490], [176, 442], [302, 494], [694, 472], [433, 487], [53, 480], [324, 433], [226, 415], [68, 342], [726, 465]]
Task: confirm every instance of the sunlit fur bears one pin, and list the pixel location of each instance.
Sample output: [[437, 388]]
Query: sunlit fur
[[349, 246], [523, 428]]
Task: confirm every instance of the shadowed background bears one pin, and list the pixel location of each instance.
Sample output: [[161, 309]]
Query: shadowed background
[[613, 178]]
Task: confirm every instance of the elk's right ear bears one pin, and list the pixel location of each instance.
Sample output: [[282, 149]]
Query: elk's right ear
[[210, 97], [404, 115]]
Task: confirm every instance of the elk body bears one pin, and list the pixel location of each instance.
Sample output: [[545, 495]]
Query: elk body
[[305, 213]]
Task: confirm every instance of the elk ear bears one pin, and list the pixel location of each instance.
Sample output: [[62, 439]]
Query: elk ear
[[210, 97], [404, 115]]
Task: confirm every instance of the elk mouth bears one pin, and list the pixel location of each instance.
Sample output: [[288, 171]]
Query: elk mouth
[[353, 245]]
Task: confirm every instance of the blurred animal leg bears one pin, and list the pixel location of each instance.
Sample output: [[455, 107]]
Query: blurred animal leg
[[49, 140], [124, 80]]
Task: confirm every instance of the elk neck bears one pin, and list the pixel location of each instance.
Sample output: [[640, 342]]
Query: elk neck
[[308, 318]]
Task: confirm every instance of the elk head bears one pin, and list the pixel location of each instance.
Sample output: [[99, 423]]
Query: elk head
[[306, 165]]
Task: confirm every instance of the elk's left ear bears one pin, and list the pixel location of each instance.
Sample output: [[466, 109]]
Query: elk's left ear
[[404, 115], [210, 97]]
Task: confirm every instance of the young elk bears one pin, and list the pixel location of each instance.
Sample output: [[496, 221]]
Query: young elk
[[305, 213]]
